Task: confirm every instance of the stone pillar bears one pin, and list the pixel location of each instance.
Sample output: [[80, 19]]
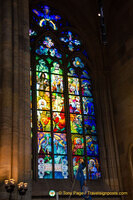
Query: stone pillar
[[15, 141]]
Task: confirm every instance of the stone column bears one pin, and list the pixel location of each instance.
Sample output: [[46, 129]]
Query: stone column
[[15, 141]]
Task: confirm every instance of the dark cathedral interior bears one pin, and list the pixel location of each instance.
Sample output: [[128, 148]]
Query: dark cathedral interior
[[66, 99]]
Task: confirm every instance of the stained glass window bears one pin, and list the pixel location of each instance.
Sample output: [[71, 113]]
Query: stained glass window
[[62, 103]]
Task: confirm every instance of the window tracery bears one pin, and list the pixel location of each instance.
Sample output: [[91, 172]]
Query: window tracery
[[62, 102]]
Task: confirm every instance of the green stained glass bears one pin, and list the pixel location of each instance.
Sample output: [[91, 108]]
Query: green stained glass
[[76, 123], [41, 66], [49, 60], [43, 121], [77, 144], [31, 99], [76, 162], [56, 68]]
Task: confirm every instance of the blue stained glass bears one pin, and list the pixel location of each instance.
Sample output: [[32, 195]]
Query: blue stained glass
[[86, 87], [93, 168], [60, 144], [91, 146], [50, 100], [70, 41], [78, 63], [61, 167], [45, 167], [44, 142], [72, 72], [32, 33], [76, 162], [48, 48], [88, 106], [45, 18], [89, 124], [85, 74]]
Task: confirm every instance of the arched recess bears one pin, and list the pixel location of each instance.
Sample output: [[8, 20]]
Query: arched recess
[[63, 113]]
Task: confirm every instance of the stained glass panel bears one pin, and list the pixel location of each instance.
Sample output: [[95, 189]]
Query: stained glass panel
[[60, 144], [70, 40], [57, 102], [43, 100], [91, 146], [56, 69], [56, 83], [86, 87], [72, 72], [41, 66], [76, 162], [43, 121], [45, 167], [42, 81], [76, 123], [77, 62], [61, 167], [73, 86], [89, 124], [88, 106], [93, 168], [74, 104], [47, 48], [59, 124], [85, 74], [44, 142], [44, 18], [77, 145]]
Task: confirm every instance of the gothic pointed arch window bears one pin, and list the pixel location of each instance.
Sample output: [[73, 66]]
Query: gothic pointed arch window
[[62, 106]]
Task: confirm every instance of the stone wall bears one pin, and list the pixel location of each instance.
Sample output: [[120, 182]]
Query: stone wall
[[119, 16], [15, 141]]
